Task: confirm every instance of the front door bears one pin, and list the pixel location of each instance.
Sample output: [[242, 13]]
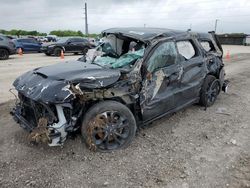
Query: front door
[[163, 73], [70, 45]]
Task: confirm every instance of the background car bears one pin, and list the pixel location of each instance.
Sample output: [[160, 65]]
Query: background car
[[51, 38], [68, 45], [7, 47], [28, 44], [118, 90], [42, 39]]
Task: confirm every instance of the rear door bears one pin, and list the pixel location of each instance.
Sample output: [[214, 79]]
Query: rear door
[[70, 45], [25, 44], [30, 44], [80, 44], [194, 72], [34, 45], [161, 82]]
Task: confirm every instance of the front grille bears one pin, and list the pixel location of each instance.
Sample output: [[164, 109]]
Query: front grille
[[32, 111]]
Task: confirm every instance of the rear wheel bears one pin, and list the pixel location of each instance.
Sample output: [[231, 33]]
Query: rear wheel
[[108, 126], [210, 90], [57, 52], [4, 54]]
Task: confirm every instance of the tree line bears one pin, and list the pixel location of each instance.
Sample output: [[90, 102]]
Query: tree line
[[16, 32], [59, 33]]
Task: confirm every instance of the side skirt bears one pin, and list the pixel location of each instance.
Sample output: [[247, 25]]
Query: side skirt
[[169, 113]]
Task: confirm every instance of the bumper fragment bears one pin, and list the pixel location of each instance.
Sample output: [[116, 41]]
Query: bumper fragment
[[225, 86], [16, 113]]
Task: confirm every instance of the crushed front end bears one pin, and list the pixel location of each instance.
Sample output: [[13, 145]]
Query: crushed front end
[[45, 122]]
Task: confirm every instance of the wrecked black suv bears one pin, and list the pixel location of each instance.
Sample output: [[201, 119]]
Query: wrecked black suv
[[135, 76]]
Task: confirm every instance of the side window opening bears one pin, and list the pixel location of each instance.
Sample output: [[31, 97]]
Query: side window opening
[[115, 43], [164, 55], [186, 49], [207, 45], [73, 40]]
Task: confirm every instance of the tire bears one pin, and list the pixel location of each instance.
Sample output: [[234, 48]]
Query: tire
[[47, 54], [209, 91], [57, 52], [85, 50], [76, 53], [4, 54], [108, 126]]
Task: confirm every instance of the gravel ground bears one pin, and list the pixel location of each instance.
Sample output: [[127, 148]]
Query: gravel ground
[[192, 148]]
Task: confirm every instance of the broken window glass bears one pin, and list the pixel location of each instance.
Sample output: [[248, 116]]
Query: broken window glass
[[164, 55], [186, 49], [126, 59]]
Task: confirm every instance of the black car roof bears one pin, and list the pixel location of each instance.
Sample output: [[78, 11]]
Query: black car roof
[[147, 34]]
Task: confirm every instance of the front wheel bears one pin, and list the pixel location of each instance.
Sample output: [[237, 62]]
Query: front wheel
[[4, 54], [85, 50], [209, 91], [57, 52], [108, 126]]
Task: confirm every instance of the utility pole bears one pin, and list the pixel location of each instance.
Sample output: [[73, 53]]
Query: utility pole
[[190, 27], [215, 27], [86, 19]]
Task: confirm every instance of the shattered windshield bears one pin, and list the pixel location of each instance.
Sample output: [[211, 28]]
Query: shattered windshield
[[116, 53]]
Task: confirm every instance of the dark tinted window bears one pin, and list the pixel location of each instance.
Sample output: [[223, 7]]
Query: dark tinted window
[[164, 55], [79, 40], [28, 40], [63, 40], [21, 40]]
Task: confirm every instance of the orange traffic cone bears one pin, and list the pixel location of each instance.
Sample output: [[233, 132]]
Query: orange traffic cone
[[228, 56], [20, 51], [62, 54]]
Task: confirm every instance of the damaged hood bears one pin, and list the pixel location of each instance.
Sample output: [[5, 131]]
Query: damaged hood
[[90, 75], [52, 83]]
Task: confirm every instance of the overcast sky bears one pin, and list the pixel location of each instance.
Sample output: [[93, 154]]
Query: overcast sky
[[200, 15]]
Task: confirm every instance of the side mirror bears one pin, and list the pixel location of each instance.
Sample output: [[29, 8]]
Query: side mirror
[[69, 42]]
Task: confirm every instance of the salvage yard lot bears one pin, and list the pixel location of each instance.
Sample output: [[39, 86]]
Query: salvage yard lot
[[192, 148]]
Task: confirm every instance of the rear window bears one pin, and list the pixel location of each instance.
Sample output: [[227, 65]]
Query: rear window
[[186, 49]]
